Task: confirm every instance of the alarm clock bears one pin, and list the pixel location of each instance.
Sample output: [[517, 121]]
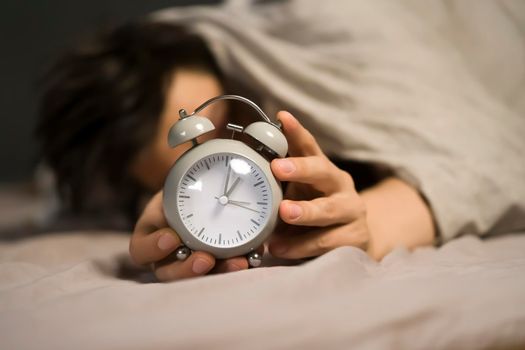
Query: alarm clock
[[220, 196]]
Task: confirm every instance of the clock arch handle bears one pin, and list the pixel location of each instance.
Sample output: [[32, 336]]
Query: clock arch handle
[[241, 99]]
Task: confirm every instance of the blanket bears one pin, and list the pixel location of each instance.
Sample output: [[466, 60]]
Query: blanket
[[425, 89], [77, 290]]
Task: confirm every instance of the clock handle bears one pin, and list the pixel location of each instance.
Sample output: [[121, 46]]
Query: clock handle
[[268, 133], [241, 99]]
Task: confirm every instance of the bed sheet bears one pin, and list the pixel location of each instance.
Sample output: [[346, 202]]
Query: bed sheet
[[79, 290]]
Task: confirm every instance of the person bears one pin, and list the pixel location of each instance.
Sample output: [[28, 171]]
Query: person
[[108, 105]]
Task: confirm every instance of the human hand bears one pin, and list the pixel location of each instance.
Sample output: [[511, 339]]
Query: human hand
[[153, 243], [322, 209]]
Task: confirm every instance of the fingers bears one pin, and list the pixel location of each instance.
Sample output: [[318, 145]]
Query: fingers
[[235, 264], [152, 240], [300, 141], [230, 265], [152, 217], [145, 249], [197, 264], [153, 243], [322, 211], [318, 242], [319, 172]]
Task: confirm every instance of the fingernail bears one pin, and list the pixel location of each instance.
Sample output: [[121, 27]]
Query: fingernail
[[200, 266], [294, 211], [167, 242], [285, 165]]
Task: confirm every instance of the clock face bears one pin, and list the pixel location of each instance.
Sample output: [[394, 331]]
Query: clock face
[[224, 200]]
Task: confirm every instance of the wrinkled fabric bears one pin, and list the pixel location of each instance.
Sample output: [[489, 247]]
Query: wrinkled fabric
[[77, 291], [434, 90]]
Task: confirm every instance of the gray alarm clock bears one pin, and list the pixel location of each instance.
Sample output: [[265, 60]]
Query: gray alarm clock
[[220, 196]]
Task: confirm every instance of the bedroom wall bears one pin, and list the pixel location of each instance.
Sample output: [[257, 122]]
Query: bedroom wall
[[31, 34]]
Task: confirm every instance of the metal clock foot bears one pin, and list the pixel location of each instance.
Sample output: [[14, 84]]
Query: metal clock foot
[[254, 259], [182, 252]]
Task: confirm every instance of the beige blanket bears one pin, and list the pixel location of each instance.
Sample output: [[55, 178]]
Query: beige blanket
[[434, 90], [69, 292]]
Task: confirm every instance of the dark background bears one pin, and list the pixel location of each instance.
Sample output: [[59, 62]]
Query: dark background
[[32, 33]]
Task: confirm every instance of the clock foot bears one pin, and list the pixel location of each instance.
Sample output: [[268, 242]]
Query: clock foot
[[182, 252], [254, 259]]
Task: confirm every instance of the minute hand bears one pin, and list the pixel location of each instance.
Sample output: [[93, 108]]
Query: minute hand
[[227, 180], [242, 206], [231, 200], [238, 202], [227, 194]]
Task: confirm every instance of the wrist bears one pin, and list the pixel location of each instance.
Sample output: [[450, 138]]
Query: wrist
[[397, 216]]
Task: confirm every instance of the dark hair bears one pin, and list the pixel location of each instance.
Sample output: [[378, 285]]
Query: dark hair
[[101, 104]]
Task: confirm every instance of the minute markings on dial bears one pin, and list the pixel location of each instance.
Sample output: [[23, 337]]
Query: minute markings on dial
[[200, 232], [203, 185]]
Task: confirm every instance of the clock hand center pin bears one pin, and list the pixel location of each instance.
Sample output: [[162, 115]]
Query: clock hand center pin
[[222, 200]]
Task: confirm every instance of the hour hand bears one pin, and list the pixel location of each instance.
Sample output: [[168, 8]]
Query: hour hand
[[235, 183]]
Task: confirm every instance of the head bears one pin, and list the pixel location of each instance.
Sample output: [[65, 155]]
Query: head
[[107, 105]]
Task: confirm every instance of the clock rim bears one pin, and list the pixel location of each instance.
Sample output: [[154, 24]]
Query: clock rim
[[185, 162]]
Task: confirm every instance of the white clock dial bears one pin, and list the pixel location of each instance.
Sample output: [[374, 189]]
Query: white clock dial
[[224, 200]]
